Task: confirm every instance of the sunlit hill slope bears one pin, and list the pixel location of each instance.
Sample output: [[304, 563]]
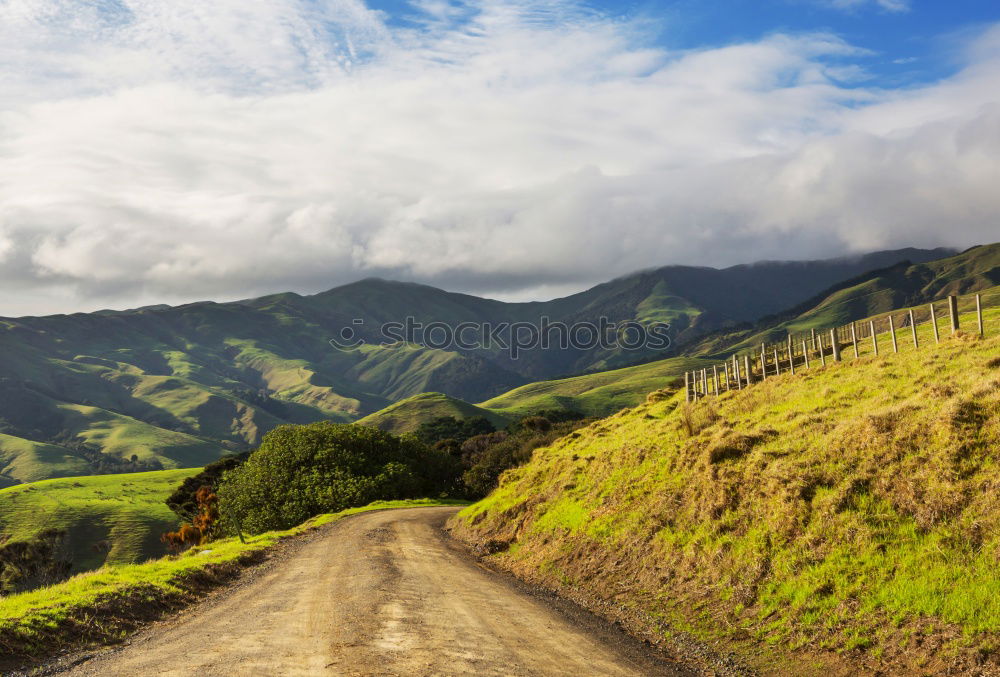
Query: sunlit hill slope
[[848, 511]]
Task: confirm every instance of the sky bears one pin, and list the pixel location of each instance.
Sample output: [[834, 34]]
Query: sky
[[156, 151]]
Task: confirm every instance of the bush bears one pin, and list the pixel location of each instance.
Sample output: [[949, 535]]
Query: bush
[[41, 561], [450, 428], [184, 501], [486, 457], [303, 471]]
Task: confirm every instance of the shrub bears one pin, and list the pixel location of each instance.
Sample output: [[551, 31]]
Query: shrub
[[450, 428], [184, 500], [486, 457], [203, 526], [41, 561], [303, 471]]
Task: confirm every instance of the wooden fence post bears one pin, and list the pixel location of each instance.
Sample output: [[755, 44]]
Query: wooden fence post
[[687, 388], [704, 382], [736, 373], [913, 329], [763, 368], [777, 366], [979, 314], [892, 333], [725, 366], [871, 324], [854, 339], [835, 344], [953, 311], [822, 353], [813, 332], [805, 353], [746, 365], [791, 356], [715, 377], [937, 337]]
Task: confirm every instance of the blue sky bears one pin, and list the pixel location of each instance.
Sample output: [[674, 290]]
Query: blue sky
[[156, 151], [911, 41]]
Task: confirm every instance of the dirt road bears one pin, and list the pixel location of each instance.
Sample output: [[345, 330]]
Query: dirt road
[[381, 593]]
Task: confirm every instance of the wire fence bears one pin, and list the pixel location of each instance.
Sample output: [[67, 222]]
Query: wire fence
[[914, 328]]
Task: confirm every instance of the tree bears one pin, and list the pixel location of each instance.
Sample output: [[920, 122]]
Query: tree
[[305, 470]]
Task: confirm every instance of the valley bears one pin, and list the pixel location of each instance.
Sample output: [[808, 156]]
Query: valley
[[182, 386]]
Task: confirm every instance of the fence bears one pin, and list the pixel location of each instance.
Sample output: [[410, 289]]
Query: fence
[[915, 327]]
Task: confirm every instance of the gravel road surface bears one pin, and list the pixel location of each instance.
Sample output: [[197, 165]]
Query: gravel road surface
[[380, 593]]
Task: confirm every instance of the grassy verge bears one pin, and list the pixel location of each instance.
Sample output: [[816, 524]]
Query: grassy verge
[[849, 513], [105, 605]]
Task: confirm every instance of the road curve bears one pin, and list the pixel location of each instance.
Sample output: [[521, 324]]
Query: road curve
[[380, 593]]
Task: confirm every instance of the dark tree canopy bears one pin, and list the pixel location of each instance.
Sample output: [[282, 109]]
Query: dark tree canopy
[[304, 470], [451, 428]]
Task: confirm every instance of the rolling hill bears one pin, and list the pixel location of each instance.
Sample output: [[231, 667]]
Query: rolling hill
[[406, 415], [599, 394], [181, 386], [593, 395], [114, 519], [604, 393]]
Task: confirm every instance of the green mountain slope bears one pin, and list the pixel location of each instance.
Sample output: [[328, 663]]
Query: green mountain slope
[[599, 394], [116, 519], [873, 294], [604, 393], [594, 395], [844, 516], [181, 386]]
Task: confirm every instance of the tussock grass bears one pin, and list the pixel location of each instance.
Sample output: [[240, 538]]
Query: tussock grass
[[852, 508]]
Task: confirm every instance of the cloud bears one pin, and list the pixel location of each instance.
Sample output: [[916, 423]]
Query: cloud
[[885, 5], [171, 152]]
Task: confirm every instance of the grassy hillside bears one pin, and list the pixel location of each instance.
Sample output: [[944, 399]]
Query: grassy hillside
[[842, 519], [598, 394], [873, 294], [115, 519], [407, 415]]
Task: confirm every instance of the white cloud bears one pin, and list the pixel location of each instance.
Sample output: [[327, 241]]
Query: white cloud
[[499, 150], [886, 5]]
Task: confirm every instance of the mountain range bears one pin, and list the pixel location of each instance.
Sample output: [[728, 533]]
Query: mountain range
[[181, 386]]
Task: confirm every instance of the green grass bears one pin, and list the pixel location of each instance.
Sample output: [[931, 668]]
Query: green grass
[[44, 621], [114, 519], [851, 507], [598, 394]]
